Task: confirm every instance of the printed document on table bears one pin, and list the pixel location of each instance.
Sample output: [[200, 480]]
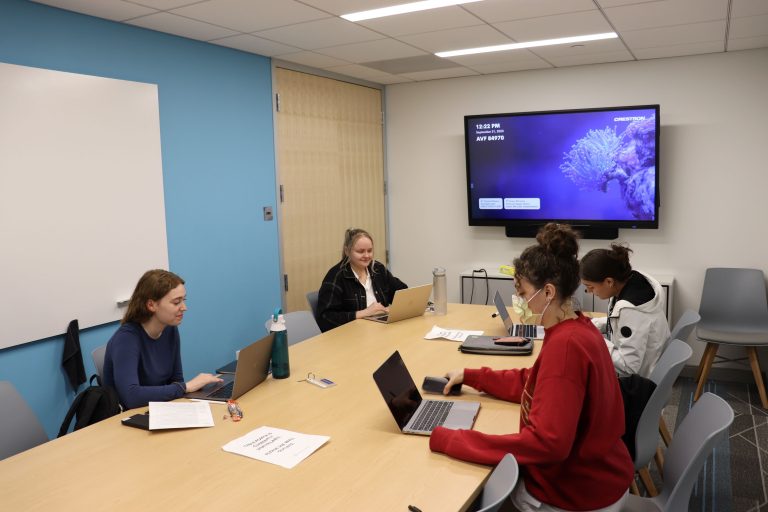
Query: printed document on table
[[450, 334], [179, 415], [276, 446]]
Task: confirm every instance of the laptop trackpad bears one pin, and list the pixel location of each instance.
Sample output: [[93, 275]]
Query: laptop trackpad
[[462, 415]]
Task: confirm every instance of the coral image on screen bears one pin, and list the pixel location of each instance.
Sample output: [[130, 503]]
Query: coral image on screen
[[629, 158], [589, 166]]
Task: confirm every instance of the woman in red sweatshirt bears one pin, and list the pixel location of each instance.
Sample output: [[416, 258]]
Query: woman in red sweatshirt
[[569, 445]]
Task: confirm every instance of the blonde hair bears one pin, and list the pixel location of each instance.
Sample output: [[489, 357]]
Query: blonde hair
[[351, 236]]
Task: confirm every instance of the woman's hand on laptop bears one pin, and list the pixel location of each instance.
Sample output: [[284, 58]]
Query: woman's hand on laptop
[[454, 377], [372, 310], [202, 380]]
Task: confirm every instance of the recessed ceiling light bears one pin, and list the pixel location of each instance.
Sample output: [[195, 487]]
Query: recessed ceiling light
[[529, 44], [403, 8]]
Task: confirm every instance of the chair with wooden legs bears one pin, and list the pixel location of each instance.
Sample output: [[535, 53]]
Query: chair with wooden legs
[[734, 311], [702, 428], [664, 375], [681, 331]]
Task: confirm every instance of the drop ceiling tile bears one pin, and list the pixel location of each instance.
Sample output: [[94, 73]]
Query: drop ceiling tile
[[752, 26], [494, 11], [586, 48], [340, 7], [382, 49], [505, 67], [741, 8], [438, 74], [393, 79], [666, 13], [320, 34], [590, 58], [678, 35], [362, 72], [424, 21], [251, 15], [180, 26], [253, 44], [427, 62], [561, 25], [512, 56], [747, 43], [615, 3], [457, 39], [313, 59], [115, 10], [679, 50], [162, 5]]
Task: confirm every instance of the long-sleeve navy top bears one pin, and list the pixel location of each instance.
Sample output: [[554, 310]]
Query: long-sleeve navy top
[[142, 369]]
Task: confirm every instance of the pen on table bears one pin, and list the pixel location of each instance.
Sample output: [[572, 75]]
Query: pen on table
[[414, 508]]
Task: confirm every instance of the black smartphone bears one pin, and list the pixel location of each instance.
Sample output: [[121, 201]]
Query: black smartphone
[[437, 384], [516, 341]]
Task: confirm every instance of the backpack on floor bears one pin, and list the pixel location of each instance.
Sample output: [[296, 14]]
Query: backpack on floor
[[91, 405]]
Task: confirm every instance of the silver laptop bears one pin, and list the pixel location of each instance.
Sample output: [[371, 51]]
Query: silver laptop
[[524, 330], [413, 414], [252, 369], [407, 303]]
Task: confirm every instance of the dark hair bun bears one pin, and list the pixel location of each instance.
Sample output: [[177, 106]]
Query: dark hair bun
[[559, 240], [620, 252]]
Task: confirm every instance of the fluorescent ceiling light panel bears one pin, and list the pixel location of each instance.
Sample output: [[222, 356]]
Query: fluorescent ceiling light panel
[[529, 44], [403, 8]]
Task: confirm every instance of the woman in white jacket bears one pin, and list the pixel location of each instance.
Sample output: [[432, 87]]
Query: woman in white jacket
[[636, 327]]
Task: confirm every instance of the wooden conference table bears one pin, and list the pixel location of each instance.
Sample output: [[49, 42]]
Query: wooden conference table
[[367, 464]]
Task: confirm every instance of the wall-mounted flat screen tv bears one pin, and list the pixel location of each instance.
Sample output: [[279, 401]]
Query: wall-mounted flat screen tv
[[596, 169]]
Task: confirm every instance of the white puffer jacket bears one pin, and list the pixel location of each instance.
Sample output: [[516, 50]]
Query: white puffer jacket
[[639, 332]]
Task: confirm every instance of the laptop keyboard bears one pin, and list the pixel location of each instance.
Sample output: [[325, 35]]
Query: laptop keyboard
[[224, 391], [524, 330], [432, 414]]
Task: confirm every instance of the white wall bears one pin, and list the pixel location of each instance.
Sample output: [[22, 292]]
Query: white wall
[[713, 171]]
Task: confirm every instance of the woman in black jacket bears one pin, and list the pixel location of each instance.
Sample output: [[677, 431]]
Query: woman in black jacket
[[356, 287]]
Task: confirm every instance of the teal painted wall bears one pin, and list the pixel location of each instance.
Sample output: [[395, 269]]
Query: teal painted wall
[[218, 172]]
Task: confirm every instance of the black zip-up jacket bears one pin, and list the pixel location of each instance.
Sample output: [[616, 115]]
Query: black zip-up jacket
[[341, 294]]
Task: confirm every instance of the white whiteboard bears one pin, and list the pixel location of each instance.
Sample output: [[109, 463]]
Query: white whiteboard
[[82, 214]]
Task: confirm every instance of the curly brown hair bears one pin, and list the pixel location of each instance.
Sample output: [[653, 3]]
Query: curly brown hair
[[554, 260]]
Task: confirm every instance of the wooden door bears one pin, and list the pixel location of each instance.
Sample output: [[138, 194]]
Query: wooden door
[[331, 175]]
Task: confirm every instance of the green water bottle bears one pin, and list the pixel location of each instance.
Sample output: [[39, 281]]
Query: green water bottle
[[281, 368]]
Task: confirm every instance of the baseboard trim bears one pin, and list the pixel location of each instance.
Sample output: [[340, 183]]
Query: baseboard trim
[[726, 374]]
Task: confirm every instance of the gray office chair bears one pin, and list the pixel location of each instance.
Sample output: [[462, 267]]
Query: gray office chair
[[664, 375], [312, 300], [681, 331], [300, 325], [684, 326], [97, 355], [19, 427], [734, 311], [499, 486], [695, 439]]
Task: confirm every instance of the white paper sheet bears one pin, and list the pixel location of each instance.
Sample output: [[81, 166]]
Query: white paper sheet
[[450, 334], [179, 415], [276, 446]]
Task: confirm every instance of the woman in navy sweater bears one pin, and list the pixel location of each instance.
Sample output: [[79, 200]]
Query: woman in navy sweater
[[143, 358]]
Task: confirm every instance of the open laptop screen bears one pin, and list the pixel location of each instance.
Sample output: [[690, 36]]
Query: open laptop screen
[[503, 313], [398, 389]]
